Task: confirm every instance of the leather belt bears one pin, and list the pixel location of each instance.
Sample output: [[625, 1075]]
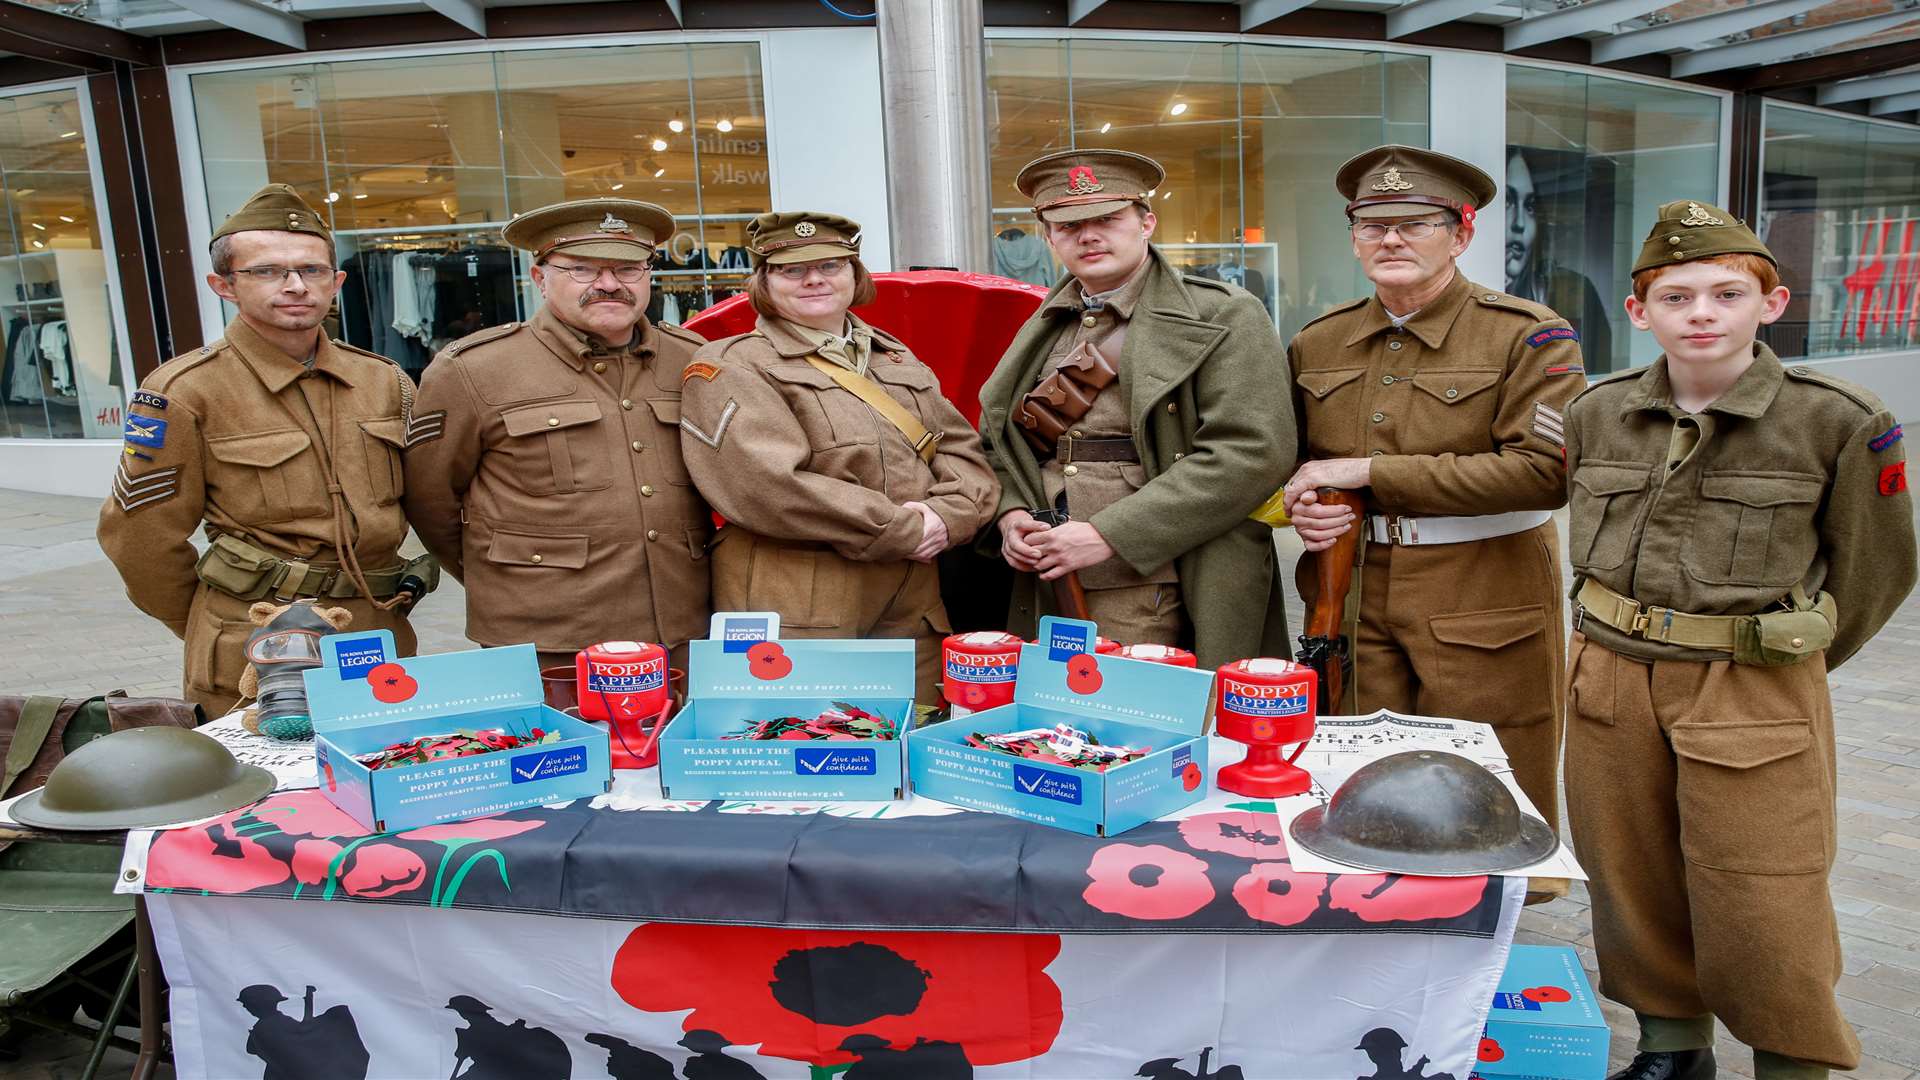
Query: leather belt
[[1072, 450], [1420, 531], [1625, 614]]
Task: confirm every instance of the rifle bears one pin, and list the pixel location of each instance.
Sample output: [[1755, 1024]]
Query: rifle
[[1068, 594], [1323, 647]]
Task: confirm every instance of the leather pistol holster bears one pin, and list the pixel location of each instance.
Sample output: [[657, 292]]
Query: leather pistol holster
[[1062, 398]]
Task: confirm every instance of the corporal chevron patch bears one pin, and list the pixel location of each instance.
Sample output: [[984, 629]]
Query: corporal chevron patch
[[719, 429], [426, 427], [135, 490]]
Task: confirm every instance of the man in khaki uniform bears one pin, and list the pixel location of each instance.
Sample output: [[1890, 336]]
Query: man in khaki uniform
[[1152, 408], [543, 463], [1738, 530], [1444, 400], [841, 469], [248, 435]]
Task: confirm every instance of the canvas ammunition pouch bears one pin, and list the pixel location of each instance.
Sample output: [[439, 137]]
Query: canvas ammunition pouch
[[246, 572], [1780, 638], [1051, 409]]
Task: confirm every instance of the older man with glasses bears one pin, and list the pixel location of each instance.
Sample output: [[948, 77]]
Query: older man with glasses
[[284, 443], [1443, 402], [543, 461]]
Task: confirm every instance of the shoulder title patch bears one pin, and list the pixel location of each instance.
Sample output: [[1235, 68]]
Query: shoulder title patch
[[1885, 439], [1893, 478], [150, 399], [699, 369], [1552, 333], [146, 431]]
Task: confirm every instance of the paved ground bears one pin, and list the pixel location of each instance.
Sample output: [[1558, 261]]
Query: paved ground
[[69, 629]]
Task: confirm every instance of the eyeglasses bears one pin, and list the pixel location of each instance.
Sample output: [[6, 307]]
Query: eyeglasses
[[312, 273], [627, 273], [799, 271], [1373, 232]]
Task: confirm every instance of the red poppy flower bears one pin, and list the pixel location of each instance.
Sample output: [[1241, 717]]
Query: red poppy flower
[[211, 857], [1274, 892], [378, 870], [1404, 898], [1490, 1050], [478, 829], [1083, 674], [391, 683], [1262, 729], [768, 660], [1191, 776], [800, 994], [311, 858], [1147, 881], [973, 694], [1238, 833], [1546, 994]]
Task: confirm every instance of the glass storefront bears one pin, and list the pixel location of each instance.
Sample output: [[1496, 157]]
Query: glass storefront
[[1589, 161], [60, 376], [419, 161], [1250, 136], [1839, 199]]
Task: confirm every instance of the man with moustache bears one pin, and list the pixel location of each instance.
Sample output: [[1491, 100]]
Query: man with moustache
[[543, 460], [1152, 408]]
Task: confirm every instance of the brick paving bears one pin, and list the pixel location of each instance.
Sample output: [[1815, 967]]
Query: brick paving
[[69, 629]]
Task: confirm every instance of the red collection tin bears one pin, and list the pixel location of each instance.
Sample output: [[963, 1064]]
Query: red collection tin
[[980, 667], [1159, 654], [1266, 704]]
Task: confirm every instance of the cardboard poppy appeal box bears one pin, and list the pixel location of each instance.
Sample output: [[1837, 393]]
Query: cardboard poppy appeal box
[[735, 680], [1118, 701], [363, 699], [1545, 1021]]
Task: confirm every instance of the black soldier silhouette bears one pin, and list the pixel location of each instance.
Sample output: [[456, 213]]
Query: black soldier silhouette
[[1169, 1069], [626, 1061], [709, 1061], [922, 1061], [1383, 1046], [487, 1049], [325, 1045]]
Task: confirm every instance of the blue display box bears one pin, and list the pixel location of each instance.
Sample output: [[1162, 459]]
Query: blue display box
[[430, 695], [731, 685], [1545, 1021], [1118, 701]]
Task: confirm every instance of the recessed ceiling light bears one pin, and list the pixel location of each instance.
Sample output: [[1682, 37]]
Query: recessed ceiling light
[[1178, 108], [38, 244], [1165, 195], [68, 134], [333, 196], [66, 219], [1106, 127], [723, 125], [37, 225], [676, 125], [659, 144], [617, 187], [362, 195], [658, 173]]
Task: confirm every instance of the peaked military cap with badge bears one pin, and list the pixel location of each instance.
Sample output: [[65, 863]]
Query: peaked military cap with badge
[[592, 229], [275, 208], [801, 236], [1399, 181], [1077, 185], [1686, 231]]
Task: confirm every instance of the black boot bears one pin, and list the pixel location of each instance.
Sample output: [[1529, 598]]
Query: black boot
[[1669, 1065]]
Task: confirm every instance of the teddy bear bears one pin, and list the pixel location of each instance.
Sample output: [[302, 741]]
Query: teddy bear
[[300, 618]]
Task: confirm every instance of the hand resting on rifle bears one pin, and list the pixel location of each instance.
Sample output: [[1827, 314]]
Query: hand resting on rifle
[[1015, 527], [1073, 546], [1320, 525]]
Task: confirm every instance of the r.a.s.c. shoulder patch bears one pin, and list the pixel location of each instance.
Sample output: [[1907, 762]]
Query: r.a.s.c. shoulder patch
[[1552, 333], [150, 399]]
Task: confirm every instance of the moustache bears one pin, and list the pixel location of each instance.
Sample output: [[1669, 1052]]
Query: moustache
[[622, 295]]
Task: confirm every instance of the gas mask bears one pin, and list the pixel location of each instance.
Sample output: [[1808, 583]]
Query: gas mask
[[279, 652]]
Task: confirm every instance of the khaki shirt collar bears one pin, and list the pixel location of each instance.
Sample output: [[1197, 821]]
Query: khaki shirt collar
[[791, 339], [1430, 324], [1750, 395], [1122, 299], [576, 348], [275, 369]]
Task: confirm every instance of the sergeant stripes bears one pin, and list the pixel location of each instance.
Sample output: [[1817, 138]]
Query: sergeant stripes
[[426, 427], [133, 492], [1549, 424]]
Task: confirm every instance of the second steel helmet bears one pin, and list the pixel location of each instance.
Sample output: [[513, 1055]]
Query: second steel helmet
[[140, 778], [1424, 812]]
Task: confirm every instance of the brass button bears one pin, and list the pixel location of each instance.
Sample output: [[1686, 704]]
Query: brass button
[[1177, 455], [533, 558], [1076, 434], [1491, 297], [1386, 380], [1800, 371], [599, 366], [553, 421], [1379, 417], [1087, 320], [636, 446], [1799, 642], [1173, 406], [626, 403], [1072, 470], [646, 489], [1394, 345], [653, 534], [1673, 240], [1452, 393], [1376, 453]]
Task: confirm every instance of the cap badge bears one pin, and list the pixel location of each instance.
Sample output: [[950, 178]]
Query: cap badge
[[1392, 181], [1697, 215], [1081, 181], [804, 230], [614, 224]]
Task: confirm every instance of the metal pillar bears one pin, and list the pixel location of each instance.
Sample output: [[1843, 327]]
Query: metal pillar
[[933, 104]]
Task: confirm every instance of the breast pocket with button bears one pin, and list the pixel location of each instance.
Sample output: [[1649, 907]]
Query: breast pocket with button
[[1332, 402], [381, 443], [841, 430], [556, 447], [1451, 411], [1753, 528], [266, 476], [1606, 501]]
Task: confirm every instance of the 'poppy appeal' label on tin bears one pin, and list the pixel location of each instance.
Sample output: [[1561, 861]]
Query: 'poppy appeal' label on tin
[[634, 677], [1254, 699], [982, 669]]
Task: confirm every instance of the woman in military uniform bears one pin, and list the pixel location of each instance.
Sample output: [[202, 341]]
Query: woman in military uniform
[[841, 469]]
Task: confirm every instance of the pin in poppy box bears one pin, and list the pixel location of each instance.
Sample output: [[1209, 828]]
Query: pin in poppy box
[[1092, 743], [404, 742], [790, 719], [1545, 1022]]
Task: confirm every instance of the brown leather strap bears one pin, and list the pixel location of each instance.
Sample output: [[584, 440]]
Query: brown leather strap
[[1062, 398], [925, 443], [1072, 450]]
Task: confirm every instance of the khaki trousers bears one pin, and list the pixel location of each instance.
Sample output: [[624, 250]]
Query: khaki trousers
[[216, 643], [1470, 631], [1139, 614], [820, 594], [1701, 797]]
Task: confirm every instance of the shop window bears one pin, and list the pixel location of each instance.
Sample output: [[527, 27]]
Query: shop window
[[1838, 208], [60, 376], [1589, 161], [420, 161], [1250, 136]]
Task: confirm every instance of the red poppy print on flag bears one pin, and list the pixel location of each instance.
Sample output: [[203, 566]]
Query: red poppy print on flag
[[1147, 881]]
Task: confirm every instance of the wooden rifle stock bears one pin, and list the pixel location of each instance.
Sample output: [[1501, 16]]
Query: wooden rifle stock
[[1322, 645], [1070, 596]]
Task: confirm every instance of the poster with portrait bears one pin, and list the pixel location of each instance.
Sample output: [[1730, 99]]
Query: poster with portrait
[[1559, 244]]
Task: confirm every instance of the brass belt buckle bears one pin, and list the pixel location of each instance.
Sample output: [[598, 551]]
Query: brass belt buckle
[[1640, 620], [1393, 532]]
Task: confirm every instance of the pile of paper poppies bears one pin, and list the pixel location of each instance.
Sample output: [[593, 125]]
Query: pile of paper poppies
[[462, 743], [841, 722], [1061, 744]]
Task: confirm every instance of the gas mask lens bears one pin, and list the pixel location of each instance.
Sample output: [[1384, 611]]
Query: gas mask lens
[[286, 646]]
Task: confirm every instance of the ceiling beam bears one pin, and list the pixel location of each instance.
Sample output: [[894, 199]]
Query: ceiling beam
[[1873, 86], [1257, 13], [1895, 103], [467, 14], [20, 70], [1688, 33], [44, 35], [261, 21], [1814, 70], [1417, 15], [1774, 47], [1579, 19]]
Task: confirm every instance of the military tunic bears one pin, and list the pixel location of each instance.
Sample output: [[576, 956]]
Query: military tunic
[[240, 436], [812, 482], [1460, 408], [545, 472], [1701, 791]]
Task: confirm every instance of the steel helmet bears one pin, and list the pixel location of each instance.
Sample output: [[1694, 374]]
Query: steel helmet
[[1424, 812], [140, 778]]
